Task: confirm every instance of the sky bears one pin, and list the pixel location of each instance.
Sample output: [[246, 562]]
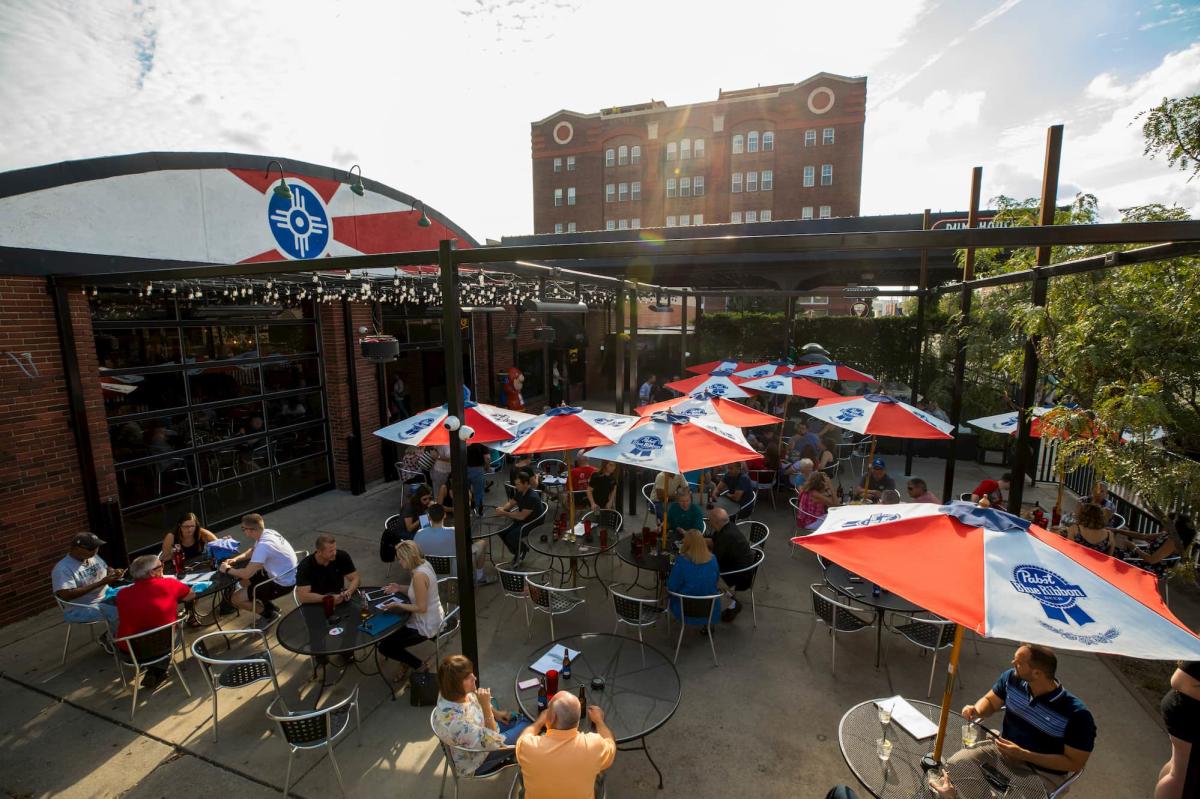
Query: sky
[[436, 98]]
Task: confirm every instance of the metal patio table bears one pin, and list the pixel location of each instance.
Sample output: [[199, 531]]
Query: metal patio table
[[838, 579], [573, 552], [657, 563], [641, 686]]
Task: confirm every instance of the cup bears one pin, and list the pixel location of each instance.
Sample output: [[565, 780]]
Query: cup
[[327, 602], [587, 527], [885, 715], [970, 734], [551, 682], [883, 748]]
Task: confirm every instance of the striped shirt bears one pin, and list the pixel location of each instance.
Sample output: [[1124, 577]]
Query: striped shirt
[[1044, 724]]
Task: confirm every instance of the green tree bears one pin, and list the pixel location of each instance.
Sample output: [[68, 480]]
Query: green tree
[[1172, 130]]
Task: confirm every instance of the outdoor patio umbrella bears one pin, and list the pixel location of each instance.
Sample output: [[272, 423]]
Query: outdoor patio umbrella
[[717, 366], [790, 385], [712, 408], [1007, 422], [1002, 577], [566, 428], [765, 369], [718, 384], [835, 371], [490, 423], [674, 443]]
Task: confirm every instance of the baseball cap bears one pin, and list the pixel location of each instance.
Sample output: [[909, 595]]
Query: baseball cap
[[87, 541], [878, 464]]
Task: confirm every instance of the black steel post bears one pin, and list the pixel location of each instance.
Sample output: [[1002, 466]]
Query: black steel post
[[631, 383], [1029, 372], [960, 357], [789, 320], [683, 335], [452, 341], [354, 446], [491, 362], [619, 397], [388, 448], [922, 298]]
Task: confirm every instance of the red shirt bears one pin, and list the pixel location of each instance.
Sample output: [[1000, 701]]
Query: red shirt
[[991, 490], [580, 476], [147, 604]]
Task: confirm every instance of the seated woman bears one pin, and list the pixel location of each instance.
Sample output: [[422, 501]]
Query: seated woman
[[191, 538], [424, 605], [695, 573], [1090, 530], [445, 498], [1158, 557], [464, 717], [828, 453], [816, 498], [418, 504]]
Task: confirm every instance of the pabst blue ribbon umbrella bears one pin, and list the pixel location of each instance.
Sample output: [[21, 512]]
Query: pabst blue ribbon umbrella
[[789, 385], [996, 574], [713, 409], [835, 371], [426, 429], [765, 369], [717, 366], [566, 428], [717, 384]]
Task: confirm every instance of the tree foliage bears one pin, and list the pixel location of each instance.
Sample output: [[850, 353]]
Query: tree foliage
[[1172, 130]]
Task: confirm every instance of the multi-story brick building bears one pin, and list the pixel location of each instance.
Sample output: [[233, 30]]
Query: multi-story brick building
[[790, 151]]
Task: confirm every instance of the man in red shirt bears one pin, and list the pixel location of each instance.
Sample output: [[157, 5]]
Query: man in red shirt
[[993, 490], [581, 474], [152, 601]]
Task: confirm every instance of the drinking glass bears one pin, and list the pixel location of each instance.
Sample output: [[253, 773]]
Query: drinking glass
[[933, 778], [970, 734], [883, 748], [885, 715]]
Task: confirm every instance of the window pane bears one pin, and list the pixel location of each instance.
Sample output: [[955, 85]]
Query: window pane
[[117, 306], [698, 148], [737, 182], [139, 393], [610, 157], [671, 151], [751, 181], [735, 217], [685, 220], [610, 224], [287, 375], [228, 421], [635, 154], [635, 192], [298, 443], [222, 342], [149, 346], [752, 141], [302, 476], [768, 180], [635, 223], [558, 165], [570, 163], [827, 136], [623, 155], [287, 339], [234, 499], [810, 138], [622, 224], [216, 383], [141, 439], [685, 149], [764, 216], [145, 528], [570, 227], [149, 481], [751, 216], [737, 143], [698, 219], [295, 409], [768, 140], [670, 221]]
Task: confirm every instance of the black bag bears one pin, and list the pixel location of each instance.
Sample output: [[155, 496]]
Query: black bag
[[422, 688]]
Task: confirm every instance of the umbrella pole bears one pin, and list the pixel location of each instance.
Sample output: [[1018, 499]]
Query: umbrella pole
[[570, 493], [867, 471], [947, 695], [665, 502], [1062, 478]]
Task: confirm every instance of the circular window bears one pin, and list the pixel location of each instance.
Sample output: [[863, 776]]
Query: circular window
[[820, 100], [563, 131]]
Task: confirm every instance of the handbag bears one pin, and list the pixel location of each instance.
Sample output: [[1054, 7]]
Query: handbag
[[221, 549], [422, 688]]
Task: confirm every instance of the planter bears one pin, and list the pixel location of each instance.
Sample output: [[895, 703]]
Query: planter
[[380, 349]]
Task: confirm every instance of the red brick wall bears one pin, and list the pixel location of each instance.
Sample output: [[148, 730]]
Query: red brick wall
[[333, 345]]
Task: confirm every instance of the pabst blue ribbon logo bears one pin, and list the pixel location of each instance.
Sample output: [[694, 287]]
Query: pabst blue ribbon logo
[[604, 421], [643, 446], [1009, 422], [300, 224], [418, 426], [1059, 599], [771, 384], [849, 414], [760, 373], [874, 518], [695, 413], [717, 389]]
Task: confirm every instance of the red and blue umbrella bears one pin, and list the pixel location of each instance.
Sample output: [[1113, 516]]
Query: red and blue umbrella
[[426, 429], [880, 415], [835, 371], [765, 369], [565, 428], [791, 386], [673, 443], [717, 384], [717, 366], [713, 409]]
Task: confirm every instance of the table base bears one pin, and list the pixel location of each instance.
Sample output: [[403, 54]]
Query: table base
[[642, 746]]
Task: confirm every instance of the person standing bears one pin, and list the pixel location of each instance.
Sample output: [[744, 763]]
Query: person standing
[[994, 490], [151, 602], [477, 462], [564, 763], [602, 487], [1180, 776], [269, 569], [80, 578], [646, 392]]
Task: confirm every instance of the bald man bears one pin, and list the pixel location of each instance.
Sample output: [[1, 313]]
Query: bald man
[[564, 763]]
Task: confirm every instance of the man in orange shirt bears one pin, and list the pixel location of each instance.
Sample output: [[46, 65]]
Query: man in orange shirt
[[564, 763]]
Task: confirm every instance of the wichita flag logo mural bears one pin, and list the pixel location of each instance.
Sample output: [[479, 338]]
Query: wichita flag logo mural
[[300, 225]]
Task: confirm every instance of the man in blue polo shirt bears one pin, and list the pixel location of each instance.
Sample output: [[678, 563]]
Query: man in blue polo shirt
[[1046, 729]]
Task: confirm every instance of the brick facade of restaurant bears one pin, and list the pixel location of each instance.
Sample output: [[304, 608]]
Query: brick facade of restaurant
[[337, 393]]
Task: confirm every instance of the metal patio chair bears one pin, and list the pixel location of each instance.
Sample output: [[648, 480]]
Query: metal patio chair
[[155, 647], [829, 609], [451, 616], [512, 583], [316, 729], [637, 612], [752, 570], [64, 605], [930, 633], [234, 672], [700, 607], [448, 765], [552, 601]]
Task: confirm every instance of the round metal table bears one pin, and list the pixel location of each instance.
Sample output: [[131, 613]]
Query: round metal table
[[859, 590], [901, 776], [575, 551], [641, 686], [657, 563], [220, 586], [488, 526]]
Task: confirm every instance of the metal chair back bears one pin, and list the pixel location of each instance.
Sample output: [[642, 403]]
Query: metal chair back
[[756, 533], [448, 593], [513, 583], [450, 766], [316, 729], [765, 480], [443, 565], [64, 605], [612, 520], [747, 508], [932, 634], [150, 648], [696, 607], [751, 572], [553, 601], [838, 616], [1062, 789], [552, 467], [535, 521], [234, 672], [637, 612]]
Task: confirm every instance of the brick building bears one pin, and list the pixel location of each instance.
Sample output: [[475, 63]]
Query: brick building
[[791, 151]]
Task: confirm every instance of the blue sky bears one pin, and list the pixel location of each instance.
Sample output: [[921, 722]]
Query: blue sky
[[396, 87]]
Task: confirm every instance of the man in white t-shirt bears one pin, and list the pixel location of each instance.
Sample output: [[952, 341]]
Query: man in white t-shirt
[[81, 579], [269, 569]]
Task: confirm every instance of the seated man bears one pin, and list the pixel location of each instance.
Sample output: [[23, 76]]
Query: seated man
[[733, 552], [578, 479], [993, 490], [564, 763], [271, 558], [438, 539], [918, 491], [665, 486], [151, 602], [735, 488], [805, 437], [878, 481], [524, 505], [81, 578], [327, 571], [1046, 730], [683, 514]]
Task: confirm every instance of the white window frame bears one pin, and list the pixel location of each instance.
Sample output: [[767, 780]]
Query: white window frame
[[806, 212], [738, 142], [685, 187], [671, 221], [810, 177], [698, 185], [826, 174], [610, 157], [764, 215], [610, 192], [570, 163], [558, 165], [610, 224], [810, 137], [698, 148], [826, 212], [570, 227], [751, 181], [768, 141], [812, 299], [558, 227], [635, 154], [570, 195], [685, 149], [670, 188], [670, 151], [752, 141], [635, 223], [766, 181], [623, 155], [685, 220], [735, 217], [635, 190], [622, 224], [558, 198], [827, 136], [697, 219], [622, 192], [736, 184], [752, 216]]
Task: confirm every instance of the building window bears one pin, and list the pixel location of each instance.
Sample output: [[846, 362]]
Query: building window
[[558, 228], [610, 157], [685, 187], [571, 195], [670, 151], [610, 224], [810, 176], [737, 182], [685, 149], [670, 187], [622, 155], [827, 136], [764, 216], [752, 141], [806, 212], [826, 212], [558, 165], [635, 154], [622, 192], [768, 141], [735, 217], [570, 227], [826, 174], [768, 179], [698, 219], [810, 138], [751, 181], [670, 221], [610, 192], [622, 224], [812, 299], [570, 163], [698, 186], [635, 190], [751, 216], [698, 148], [635, 223], [685, 220], [557, 198], [737, 143]]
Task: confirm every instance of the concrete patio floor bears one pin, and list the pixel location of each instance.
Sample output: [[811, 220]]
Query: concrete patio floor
[[762, 724]]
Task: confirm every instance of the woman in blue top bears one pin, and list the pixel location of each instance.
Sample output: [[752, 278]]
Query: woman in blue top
[[695, 573]]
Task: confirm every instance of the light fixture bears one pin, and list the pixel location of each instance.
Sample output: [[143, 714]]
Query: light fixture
[[356, 184], [545, 306], [282, 191], [424, 220], [481, 309]]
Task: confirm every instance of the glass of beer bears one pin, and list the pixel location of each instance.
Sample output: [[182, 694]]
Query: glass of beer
[[970, 734], [883, 748]]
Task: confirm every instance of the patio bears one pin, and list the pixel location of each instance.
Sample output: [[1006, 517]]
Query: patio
[[767, 717]]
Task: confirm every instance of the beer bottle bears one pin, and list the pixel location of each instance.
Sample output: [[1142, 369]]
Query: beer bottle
[[565, 671], [583, 705], [542, 699]]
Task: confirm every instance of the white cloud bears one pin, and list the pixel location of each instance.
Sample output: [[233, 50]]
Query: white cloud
[[993, 15]]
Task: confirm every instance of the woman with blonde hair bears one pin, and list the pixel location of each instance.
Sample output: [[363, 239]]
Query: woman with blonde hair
[[695, 573], [189, 535], [419, 599]]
